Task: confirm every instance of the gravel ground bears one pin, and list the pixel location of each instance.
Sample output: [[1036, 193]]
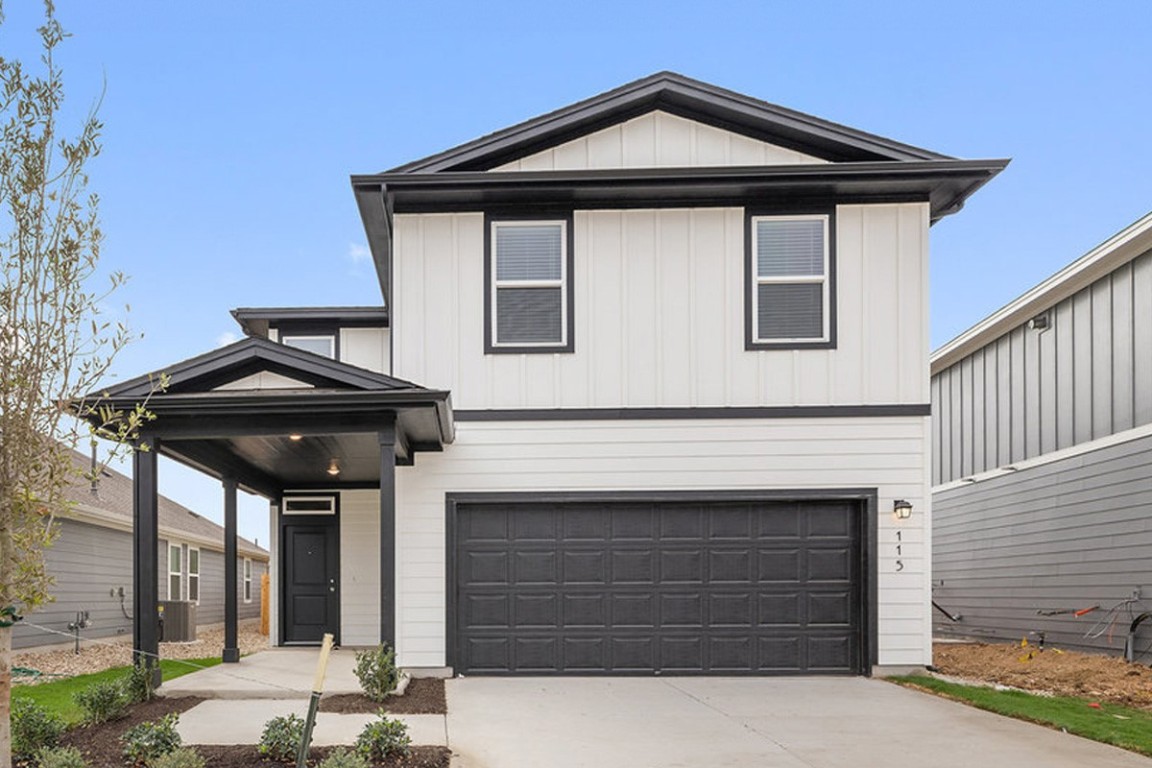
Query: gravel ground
[[96, 656]]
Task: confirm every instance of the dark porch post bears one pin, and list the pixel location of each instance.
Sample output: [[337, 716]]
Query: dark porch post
[[387, 437], [231, 646], [145, 549]]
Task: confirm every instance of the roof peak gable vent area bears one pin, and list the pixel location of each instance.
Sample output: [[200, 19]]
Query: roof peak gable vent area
[[684, 97]]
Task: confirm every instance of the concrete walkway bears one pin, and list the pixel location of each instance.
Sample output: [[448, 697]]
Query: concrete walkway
[[737, 722], [277, 673]]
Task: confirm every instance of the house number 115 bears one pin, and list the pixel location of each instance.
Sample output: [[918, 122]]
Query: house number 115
[[899, 550]]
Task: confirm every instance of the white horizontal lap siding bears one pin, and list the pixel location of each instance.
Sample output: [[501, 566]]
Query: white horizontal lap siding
[[659, 315], [359, 567], [658, 140], [706, 454]]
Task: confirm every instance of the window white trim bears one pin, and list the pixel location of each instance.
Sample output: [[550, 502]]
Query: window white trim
[[287, 338], [496, 284], [194, 576], [178, 573], [247, 584], [824, 280]]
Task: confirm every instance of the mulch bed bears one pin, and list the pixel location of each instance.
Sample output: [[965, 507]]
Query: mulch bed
[[101, 745], [424, 696]]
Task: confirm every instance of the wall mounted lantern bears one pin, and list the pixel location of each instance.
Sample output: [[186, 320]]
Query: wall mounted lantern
[[902, 509]]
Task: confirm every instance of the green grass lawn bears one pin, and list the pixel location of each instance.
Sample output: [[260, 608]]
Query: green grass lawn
[[57, 696], [1111, 724]]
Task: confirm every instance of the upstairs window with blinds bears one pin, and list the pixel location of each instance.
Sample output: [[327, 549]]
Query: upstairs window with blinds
[[529, 286], [790, 291]]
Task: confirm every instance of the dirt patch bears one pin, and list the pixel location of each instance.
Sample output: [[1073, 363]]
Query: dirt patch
[[101, 745], [1066, 673], [424, 696], [96, 656]]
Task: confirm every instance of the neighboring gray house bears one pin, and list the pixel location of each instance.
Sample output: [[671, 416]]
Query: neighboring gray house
[[91, 564], [1042, 471]]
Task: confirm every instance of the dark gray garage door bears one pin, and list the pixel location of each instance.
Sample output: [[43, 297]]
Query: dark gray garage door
[[719, 587]]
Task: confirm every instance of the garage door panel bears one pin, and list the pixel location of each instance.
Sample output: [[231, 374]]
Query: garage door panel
[[830, 609], [480, 567], [537, 610], [633, 610], [633, 566], [730, 566], [485, 610], [586, 567], [681, 566], [583, 611], [780, 609], [781, 565], [682, 587], [829, 564], [535, 567]]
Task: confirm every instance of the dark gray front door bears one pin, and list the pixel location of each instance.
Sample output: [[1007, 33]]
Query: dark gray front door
[[311, 581], [680, 587]]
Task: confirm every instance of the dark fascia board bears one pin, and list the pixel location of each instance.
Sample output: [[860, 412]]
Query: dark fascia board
[[305, 411], [376, 214], [945, 184], [255, 321], [213, 366], [678, 95]]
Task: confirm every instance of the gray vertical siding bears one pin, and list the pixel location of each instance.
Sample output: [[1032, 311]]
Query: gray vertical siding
[[1030, 392], [90, 562], [1065, 535]]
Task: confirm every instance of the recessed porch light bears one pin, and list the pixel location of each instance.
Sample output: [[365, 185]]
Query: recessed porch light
[[295, 437], [333, 468]]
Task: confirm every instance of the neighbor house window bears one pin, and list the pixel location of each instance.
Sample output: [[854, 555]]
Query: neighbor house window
[[175, 572], [529, 286], [194, 575], [247, 579], [317, 344], [790, 295]]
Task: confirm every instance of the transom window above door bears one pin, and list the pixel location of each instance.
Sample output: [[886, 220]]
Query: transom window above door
[[529, 288]]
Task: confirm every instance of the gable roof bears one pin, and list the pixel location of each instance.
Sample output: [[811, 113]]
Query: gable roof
[[679, 95], [253, 355], [1130, 242], [111, 506]]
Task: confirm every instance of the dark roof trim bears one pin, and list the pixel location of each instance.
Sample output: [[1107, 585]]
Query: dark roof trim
[[245, 357], [255, 321], [682, 96], [697, 412], [946, 184], [376, 213]]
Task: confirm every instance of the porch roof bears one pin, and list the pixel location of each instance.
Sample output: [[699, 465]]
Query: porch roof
[[274, 417]]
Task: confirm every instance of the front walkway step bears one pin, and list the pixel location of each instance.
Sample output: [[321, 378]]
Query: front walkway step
[[241, 721], [280, 673]]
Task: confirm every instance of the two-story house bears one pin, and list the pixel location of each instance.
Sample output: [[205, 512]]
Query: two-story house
[[672, 411]]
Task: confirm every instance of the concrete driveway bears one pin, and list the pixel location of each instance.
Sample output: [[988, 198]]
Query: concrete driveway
[[713, 722]]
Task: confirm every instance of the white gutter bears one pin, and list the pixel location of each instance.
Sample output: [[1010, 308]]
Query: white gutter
[[1101, 260]]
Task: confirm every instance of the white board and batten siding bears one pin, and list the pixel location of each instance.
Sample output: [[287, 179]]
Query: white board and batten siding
[[666, 455], [659, 315], [365, 348], [658, 140]]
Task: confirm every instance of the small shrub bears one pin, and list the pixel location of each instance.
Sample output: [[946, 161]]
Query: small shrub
[[145, 742], [383, 738], [281, 738], [33, 728], [179, 758], [377, 672], [60, 757], [344, 758], [138, 685], [102, 702]]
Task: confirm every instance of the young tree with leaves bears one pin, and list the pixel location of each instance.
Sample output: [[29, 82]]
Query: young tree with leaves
[[54, 344]]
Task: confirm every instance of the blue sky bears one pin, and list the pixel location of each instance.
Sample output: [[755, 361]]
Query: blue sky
[[232, 128]]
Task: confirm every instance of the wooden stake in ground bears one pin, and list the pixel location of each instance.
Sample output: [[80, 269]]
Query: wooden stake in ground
[[314, 703]]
